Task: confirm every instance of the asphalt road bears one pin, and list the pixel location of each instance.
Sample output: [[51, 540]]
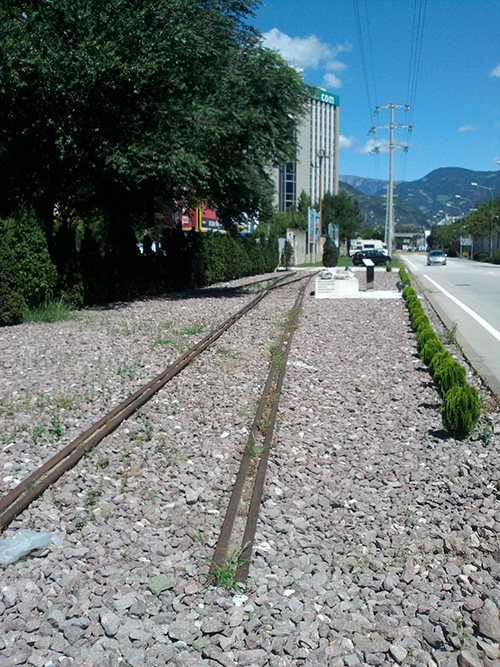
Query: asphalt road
[[466, 295]]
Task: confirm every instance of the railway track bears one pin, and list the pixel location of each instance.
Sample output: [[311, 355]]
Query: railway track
[[237, 537], [19, 498]]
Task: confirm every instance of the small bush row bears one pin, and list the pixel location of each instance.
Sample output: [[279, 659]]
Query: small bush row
[[460, 408], [34, 276]]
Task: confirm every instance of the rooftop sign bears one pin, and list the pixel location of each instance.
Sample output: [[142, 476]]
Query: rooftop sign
[[324, 96]]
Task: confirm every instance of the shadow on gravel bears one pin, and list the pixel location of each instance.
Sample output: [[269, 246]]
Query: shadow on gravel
[[430, 406], [212, 293], [440, 434]]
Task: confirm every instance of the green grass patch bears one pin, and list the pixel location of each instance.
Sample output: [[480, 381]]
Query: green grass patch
[[51, 311]]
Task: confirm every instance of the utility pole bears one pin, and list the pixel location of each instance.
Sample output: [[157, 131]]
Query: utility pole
[[321, 153], [391, 146]]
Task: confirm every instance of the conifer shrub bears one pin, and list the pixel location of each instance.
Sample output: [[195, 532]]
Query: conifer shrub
[[330, 253], [27, 275], [408, 291], [424, 334], [412, 301], [419, 320], [37, 274], [449, 374], [404, 276], [437, 360], [460, 410], [431, 347], [12, 303]]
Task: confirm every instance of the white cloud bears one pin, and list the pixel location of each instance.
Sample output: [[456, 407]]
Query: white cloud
[[345, 142], [374, 145], [467, 128], [332, 80], [496, 71], [309, 53]]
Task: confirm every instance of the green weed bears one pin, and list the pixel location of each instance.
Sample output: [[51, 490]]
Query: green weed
[[459, 633], [51, 311], [193, 329], [224, 576]]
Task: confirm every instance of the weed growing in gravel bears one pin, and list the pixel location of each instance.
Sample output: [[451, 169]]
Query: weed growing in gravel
[[252, 450], [193, 329], [459, 633], [277, 358], [80, 523], [162, 340], [38, 433], [92, 497], [450, 335], [226, 353], [56, 427], [51, 311], [224, 576]]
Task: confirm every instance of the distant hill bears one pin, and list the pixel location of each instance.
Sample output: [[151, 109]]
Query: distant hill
[[368, 186], [374, 210], [426, 200], [432, 193]]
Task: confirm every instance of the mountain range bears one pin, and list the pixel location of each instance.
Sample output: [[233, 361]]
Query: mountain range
[[423, 202]]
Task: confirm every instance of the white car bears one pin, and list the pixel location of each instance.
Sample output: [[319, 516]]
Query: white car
[[436, 257]]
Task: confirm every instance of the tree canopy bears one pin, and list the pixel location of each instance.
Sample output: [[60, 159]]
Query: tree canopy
[[485, 221], [106, 103], [343, 211]]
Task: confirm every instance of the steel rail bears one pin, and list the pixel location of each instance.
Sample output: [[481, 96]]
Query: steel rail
[[20, 497], [269, 401]]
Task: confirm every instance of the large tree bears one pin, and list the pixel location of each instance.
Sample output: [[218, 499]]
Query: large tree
[[343, 211], [484, 223], [106, 103]]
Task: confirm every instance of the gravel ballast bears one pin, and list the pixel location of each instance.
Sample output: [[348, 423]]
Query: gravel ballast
[[378, 538]]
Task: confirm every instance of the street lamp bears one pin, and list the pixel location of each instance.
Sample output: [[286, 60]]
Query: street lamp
[[461, 221], [470, 211], [485, 187], [466, 199]]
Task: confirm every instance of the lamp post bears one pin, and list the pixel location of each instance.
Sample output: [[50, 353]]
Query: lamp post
[[461, 222], [471, 209], [485, 187]]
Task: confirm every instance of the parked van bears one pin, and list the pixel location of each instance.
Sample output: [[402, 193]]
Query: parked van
[[367, 244]]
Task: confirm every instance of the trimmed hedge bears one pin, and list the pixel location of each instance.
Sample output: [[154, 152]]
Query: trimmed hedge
[[460, 408], [432, 347], [449, 374]]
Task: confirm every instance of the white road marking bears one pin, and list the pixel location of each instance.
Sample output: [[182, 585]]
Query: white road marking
[[469, 311]]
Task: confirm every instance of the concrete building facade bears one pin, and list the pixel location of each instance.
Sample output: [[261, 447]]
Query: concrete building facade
[[316, 169]]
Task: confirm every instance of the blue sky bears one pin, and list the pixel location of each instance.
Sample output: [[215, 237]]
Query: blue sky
[[442, 56]]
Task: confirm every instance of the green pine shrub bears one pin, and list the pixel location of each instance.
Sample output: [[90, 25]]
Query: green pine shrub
[[430, 348], [460, 410], [407, 291], [12, 303], [287, 256], [437, 360], [404, 276], [27, 275], [449, 374], [419, 320], [37, 274], [330, 253], [424, 334], [412, 302]]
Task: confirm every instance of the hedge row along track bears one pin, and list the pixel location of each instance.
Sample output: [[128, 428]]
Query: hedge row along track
[[237, 535], [16, 500]]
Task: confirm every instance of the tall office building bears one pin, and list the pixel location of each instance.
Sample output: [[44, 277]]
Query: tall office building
[[316, 169]]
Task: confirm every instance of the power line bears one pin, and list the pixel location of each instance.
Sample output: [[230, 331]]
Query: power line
[[363, 59]]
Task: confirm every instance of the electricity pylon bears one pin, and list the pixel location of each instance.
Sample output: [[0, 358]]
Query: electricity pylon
[[391, 146]]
